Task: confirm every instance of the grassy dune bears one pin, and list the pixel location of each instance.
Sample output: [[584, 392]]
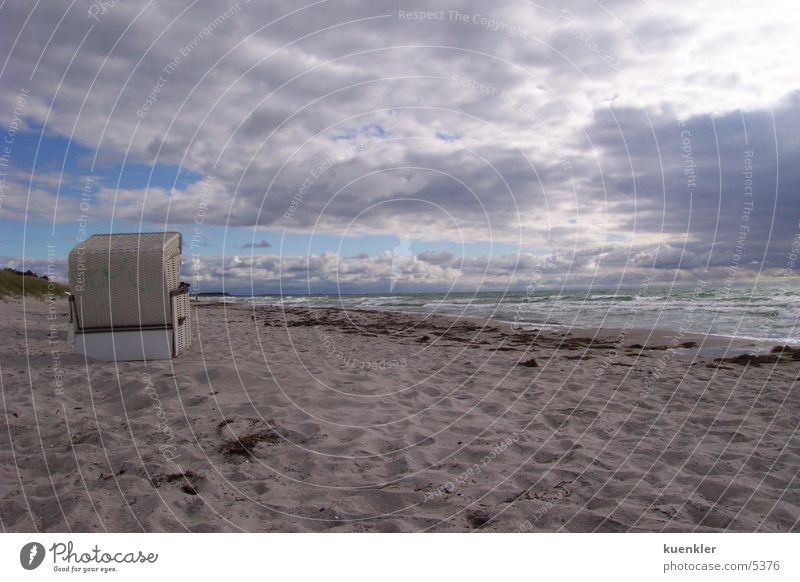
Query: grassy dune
[[12, 285]]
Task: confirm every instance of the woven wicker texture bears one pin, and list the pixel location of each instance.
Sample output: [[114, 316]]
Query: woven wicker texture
[[124, 279], [182, 323]]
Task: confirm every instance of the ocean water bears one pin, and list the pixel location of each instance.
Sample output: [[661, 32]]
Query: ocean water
[[767, 314]]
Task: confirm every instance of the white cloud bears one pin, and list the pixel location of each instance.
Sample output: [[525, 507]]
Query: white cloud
[[567, 135]]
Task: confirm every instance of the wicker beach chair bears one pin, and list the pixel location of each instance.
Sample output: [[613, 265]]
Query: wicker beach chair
[[127, 301]]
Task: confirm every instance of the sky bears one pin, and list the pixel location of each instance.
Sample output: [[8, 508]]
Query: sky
[[392, 146]]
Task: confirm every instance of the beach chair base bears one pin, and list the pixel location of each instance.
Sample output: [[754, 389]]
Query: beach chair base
[[125, 346]]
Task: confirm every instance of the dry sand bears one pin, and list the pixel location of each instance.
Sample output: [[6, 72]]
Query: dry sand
[[375, 421]]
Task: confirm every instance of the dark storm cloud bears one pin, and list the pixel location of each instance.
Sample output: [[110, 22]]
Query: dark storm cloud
[[263, 244], [714, 180]]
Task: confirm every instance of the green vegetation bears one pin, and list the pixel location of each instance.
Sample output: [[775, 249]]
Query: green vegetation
[[11, 284]]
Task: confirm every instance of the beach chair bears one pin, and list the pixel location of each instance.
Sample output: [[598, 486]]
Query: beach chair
[[127, 301]]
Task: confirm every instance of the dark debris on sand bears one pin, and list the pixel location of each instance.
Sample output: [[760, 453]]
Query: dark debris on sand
[[688, 345], [380, 323], [245, 445], [189, 480], [555, 493], [778, 354], [476, 519], [529, 363], [428, 331], [576, 343]]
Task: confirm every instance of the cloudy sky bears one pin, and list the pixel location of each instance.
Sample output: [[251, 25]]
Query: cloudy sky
[[363, 146]]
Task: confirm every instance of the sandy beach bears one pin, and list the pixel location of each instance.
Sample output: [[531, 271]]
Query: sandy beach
[[328, 420]]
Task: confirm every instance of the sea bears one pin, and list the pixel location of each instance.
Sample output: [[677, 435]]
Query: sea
[[768, 315]]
